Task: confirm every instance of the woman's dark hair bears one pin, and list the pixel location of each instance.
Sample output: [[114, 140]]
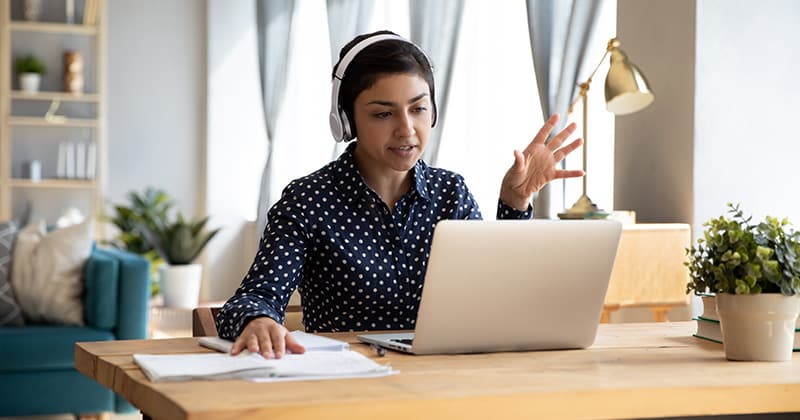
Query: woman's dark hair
[[379, 59]]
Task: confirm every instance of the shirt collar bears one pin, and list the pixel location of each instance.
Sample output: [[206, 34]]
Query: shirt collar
[[346, 172]]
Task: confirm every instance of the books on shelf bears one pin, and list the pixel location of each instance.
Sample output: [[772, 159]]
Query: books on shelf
[[77, 160], [324, 358]]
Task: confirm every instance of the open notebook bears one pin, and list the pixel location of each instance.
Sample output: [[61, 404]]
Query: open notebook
[[325, 358]]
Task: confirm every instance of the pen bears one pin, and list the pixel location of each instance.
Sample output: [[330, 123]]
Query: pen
[[380, 351]]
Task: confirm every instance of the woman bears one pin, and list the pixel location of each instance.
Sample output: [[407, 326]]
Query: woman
[[355, 235]]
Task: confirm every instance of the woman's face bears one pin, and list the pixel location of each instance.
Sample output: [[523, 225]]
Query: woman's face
[[393, 119]]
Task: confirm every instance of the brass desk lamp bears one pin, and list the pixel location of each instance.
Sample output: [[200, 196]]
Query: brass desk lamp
[[627, 91]]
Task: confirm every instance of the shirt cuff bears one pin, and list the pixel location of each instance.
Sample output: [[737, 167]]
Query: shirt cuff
[[507, 212]]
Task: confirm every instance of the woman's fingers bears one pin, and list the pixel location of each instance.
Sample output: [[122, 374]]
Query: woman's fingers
[[278, 343], [545, 131], [564, 173], [293, 346], [559, 138], [562, 153]]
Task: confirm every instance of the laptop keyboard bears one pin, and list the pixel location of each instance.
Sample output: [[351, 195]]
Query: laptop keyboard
[[403, 340]]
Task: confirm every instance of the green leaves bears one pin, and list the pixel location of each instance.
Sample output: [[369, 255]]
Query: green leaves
[[735, 256], [29, 64], [181, 241]]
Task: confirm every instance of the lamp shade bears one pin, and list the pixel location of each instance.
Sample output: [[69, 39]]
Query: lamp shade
[[627, 90]]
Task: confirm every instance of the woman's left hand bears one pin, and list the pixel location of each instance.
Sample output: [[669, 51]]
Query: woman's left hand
[[535, 166]]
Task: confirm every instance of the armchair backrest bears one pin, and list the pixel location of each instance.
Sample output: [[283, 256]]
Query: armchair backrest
[[117, 286]]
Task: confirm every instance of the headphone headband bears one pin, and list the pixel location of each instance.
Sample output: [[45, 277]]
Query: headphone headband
[[340, 125]]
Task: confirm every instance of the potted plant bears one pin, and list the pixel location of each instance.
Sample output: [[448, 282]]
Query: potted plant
[[149, 208], [754, 270], [179, 243], [30, 70]]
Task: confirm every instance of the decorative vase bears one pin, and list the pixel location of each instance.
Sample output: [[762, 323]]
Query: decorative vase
[[73, 72], [758, 327], [29, 82], [180, 285]]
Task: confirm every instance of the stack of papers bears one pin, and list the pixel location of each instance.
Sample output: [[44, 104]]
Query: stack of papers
[[325, 358]]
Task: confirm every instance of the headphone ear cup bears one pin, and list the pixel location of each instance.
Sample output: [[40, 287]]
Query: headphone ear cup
[[348, 131], [336, 126]]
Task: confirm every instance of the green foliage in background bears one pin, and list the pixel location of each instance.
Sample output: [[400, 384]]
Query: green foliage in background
[[738, 257], [29, 64], [150, 208], [180, 241]]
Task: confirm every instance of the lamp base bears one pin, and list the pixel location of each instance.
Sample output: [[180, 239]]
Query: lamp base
[[584, 208]]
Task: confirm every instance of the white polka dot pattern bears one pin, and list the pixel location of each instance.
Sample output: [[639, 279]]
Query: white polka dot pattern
[[358, 266]]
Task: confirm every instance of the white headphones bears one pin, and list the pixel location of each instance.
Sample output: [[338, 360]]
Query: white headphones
[[341, 127]]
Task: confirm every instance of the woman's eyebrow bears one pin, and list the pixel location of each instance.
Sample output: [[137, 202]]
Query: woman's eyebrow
[[389, 103]]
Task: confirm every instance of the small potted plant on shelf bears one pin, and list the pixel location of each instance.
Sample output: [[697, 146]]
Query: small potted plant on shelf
[[754, 270], [179, 243], [30, 70]]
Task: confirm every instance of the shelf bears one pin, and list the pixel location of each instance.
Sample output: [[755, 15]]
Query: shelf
[[41, 122], [52, 96], [53, 183], [53, 28]]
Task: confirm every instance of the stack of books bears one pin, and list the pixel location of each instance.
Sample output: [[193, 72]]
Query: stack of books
[[708, 327]]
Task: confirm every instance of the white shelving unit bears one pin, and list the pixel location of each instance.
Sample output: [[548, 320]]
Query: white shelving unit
[[30, 131]]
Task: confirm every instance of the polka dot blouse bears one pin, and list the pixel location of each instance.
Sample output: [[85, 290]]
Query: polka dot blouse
[[358, 265]]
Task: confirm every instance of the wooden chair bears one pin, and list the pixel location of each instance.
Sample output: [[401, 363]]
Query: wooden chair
[[203, 320]]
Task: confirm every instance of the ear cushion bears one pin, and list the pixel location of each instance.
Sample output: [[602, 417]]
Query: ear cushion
[[336, 126], [348, 129]]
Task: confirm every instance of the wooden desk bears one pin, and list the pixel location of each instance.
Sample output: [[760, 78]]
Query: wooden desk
[[633, 370]]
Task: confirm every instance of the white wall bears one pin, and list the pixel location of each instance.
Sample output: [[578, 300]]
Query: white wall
[[747, 105], [157, 100]]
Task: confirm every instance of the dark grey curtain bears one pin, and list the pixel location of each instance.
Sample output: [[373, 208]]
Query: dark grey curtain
[[435, 27], [346, 19], [274, 23], [560, 31]]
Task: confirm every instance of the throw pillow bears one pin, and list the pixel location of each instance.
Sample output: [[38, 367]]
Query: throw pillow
[[47, 274], [10, 312]]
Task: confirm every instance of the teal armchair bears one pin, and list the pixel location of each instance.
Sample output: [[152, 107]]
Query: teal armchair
[[37, 362]]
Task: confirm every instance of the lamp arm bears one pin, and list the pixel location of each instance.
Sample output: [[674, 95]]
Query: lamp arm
[[613, 43]]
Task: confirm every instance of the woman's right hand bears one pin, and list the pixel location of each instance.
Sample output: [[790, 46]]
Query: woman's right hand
[[264, 335]]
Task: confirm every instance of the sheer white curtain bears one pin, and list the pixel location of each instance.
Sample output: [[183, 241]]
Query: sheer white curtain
[[559, 32], [274, 25], [493, 107], [435, 27]]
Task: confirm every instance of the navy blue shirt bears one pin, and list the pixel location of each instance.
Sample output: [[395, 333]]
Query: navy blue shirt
[[358, 265]]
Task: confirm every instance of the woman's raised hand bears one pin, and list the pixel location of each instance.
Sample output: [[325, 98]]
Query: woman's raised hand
[[536, 165]]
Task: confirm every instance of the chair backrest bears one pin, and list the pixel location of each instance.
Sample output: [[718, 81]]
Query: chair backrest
[[203, 320]]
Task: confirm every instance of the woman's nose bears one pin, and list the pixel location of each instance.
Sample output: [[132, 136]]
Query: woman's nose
[[405, 126]]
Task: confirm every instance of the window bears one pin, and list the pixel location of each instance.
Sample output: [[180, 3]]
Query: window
[[493, 106]]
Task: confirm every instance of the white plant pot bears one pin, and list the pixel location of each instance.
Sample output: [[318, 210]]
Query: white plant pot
[[180, 285], [758, 327], [29, 82]]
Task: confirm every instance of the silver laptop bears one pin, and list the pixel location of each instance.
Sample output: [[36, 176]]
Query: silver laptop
[[505, 285]]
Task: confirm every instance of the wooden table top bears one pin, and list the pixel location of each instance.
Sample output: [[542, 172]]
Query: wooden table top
[[632, 370]]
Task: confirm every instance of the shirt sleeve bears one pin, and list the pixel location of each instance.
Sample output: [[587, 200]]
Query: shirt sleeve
[[467, 206], [274, 274], [507, 212]]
